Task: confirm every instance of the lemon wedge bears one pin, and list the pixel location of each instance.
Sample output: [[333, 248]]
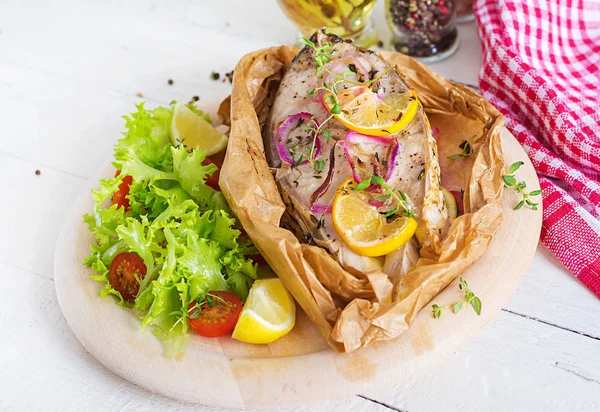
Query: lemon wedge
[[269, 313], [191, 130], [363, 228], [363, 111]]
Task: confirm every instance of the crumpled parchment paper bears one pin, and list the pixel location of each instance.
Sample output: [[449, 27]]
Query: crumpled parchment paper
[[354, 309]]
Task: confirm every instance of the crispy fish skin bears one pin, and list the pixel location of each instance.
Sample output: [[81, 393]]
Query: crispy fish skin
[[417, 172]]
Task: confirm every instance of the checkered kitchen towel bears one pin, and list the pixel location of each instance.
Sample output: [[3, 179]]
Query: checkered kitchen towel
[[541, 69]]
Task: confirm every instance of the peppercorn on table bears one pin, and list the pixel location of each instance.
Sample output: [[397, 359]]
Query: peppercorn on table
[[68, 71]]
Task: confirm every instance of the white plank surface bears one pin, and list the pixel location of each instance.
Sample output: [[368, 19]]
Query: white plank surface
[[70, 69]]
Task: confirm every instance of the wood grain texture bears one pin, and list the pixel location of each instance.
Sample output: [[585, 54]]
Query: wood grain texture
[[513, 364], [284, 373], [60, 375], [70, 69]]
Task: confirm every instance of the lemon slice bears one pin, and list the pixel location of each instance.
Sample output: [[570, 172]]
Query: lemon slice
[[193, 131], [364, 112], [451, 204], [363, 228], [268, 314]]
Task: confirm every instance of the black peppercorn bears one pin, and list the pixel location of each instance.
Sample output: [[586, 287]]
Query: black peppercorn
[[422, 28]]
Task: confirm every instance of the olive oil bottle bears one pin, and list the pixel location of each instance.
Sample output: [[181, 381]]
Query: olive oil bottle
[[345, 18]]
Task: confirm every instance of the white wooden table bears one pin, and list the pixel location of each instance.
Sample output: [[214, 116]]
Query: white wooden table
[[70, 69]]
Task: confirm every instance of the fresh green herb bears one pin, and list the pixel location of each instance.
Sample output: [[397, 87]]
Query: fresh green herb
[[314, 128], [298, 155], [466, 150], [469, 299], [322, 57], [319, 165], [363, 184], [511, 181], [207, 301], [403, 205]]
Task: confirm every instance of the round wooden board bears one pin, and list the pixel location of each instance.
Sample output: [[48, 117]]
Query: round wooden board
[[299, 368]]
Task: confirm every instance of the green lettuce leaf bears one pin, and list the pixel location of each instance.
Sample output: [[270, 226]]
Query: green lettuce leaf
[[224, 231], [241, 272], [181, 228], [128, 161], [149, 134]]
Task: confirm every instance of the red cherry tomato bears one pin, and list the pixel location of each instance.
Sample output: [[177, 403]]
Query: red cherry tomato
[[120, 196], [213, 180], [125, 273], [217, 316]]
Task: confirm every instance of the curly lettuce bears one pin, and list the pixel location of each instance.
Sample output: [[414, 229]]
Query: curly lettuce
[[181, 228]]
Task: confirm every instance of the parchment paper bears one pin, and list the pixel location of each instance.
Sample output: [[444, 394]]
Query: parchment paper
[[354, 309]]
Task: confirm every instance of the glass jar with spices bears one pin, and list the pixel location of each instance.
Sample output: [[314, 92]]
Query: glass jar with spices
[[423, 29]]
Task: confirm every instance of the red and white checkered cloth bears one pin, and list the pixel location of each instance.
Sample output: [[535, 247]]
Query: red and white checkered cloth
[[541, 69]]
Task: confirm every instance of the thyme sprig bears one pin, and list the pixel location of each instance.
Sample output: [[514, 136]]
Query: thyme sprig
[[511, 181], [466, 148], [469, 299], [209, 300], [322, 57], [402, 202]]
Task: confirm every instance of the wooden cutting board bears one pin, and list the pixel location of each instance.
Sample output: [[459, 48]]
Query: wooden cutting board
[[299, 368]]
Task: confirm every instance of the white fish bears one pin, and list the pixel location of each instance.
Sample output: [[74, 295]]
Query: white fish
[[307, 192]]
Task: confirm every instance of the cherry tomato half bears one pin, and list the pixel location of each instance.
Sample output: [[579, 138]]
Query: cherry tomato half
[[122, 274], [213, 180], [217, 316], [120, 196]]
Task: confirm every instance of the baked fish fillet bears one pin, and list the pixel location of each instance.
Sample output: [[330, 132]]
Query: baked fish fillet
[[408, 159]]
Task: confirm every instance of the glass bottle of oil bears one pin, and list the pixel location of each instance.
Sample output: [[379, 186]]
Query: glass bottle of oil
[[345, 18]]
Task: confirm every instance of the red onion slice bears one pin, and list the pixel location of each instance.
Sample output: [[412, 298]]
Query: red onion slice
[[376, 203], [347, 152], [282, 136], [392, 159], [326, 183], [321, 208], [353, 154]]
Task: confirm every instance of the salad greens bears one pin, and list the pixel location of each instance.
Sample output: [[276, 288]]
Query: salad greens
[[181, 228]]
